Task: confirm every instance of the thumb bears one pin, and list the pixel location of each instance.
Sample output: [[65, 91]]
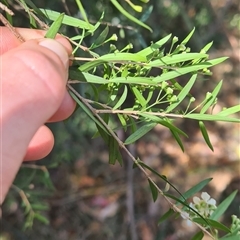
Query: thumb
[[33, 78]]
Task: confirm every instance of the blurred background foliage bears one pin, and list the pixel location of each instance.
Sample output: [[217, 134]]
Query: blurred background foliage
[[77, 193]]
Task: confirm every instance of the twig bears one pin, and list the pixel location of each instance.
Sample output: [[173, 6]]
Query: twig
[[6, 9], [136, 113], [11, 28], [135, 161], [22, 195], [30, 12]]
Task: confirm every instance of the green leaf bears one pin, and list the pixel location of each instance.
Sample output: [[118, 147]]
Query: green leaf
[[86, 77], [101, 38], [230, 237], [123, 121], [137, 8], [83, 13], [128, 15], [165, 216], [87, 111], [163, 121], [178, 139], [177, 58], [122, 98], [67, 20], [133, 80], [119, 157], [184, 92], [207, 47], [112, 57], [164, 178], [139, 96], [185, 41], [149, 50], [154, 190], [41, 207], [211, 100], [184, 70], [229, 111], [222, 207], [205, 135], [41, 218], [196, 188], [198, 236], [105, 136], [209, 117], [140, 132], [112, 150], [54, 28], [212, 223]]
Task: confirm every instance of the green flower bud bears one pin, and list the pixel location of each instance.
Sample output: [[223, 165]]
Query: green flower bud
[[164, 85], [169, 91], [208, 95], [173, 98], [192, 99], [175, 39]]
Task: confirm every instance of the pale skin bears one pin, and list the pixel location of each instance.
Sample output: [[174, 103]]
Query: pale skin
[[33, 77]]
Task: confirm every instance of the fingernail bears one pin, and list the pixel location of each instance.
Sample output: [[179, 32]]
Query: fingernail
[[57, 48]]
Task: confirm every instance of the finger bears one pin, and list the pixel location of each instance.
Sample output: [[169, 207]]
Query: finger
[[33, 80], [40, 145], [65, 110], [8, 40]]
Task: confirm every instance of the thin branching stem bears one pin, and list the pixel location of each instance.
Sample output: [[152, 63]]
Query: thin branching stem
[[135, 161]]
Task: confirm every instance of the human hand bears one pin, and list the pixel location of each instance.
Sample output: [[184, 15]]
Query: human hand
[[33, 91]]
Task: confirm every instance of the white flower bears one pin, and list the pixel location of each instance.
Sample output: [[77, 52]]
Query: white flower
[[204, 205]]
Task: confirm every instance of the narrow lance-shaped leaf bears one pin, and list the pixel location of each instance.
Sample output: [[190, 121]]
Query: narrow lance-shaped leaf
[[177, 58], [54, 28], [184, 92], [154, 190], [164, 178], [112, 150], [196, 188], [87, 111], [128, 15], [212, 223], [139, 96], [178, 139], [121, 99], [101, 38], [207, 47], [123, 121], [163, 121], [112, 57], [205, 135], [67, 20], [41, 218], [198, 236], [140, 132], [212, 98], [229, 111], [185, 41], [83, 13], [184, 70], [222, 207], [209, 117], [154, 46], [231, 237]]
